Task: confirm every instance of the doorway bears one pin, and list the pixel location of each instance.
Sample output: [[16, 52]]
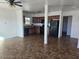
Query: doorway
[[67, 22]]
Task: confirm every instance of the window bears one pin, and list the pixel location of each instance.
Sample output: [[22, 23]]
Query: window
[[27, 21]]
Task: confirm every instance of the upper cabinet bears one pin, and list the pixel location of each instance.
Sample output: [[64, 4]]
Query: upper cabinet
[[53, 17], [38, 19]]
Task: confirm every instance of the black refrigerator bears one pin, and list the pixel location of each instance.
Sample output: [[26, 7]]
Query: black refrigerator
[[42, 27], [54, 27]]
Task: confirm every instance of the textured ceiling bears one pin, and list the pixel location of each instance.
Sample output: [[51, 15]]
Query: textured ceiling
[[54, 5]]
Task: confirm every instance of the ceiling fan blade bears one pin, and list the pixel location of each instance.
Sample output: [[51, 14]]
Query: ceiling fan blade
[[13, 2], [18, 5], [18, 2]]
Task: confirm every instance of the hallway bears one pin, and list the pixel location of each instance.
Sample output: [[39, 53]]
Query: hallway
[[32, 47]]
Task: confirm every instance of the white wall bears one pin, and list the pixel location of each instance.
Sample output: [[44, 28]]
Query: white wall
[[75, 26], [49, 14], [20, 29], [75, 22], [11, 24], [7, 22]]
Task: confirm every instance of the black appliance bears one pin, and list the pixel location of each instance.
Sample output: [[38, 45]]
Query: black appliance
[[54, 27], [42, 28]]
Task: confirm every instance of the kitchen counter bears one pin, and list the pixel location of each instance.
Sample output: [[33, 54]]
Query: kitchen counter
[[33, 28], [34, 24]]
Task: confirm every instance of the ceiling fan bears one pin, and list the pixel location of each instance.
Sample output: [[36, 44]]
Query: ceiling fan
[[14, 2]]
